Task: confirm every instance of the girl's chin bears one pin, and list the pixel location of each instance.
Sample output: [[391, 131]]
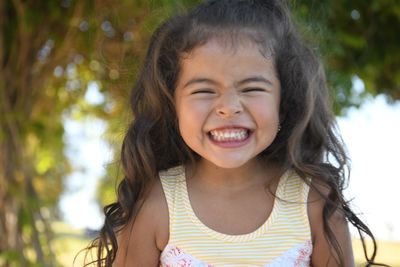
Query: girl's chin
[[229, 163]]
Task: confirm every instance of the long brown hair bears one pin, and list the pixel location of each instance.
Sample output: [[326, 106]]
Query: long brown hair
[[307, 142]]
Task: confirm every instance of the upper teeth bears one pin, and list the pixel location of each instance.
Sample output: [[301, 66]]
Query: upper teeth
[[229, 135]]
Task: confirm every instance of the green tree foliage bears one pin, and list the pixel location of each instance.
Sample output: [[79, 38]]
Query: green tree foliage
[[356, 38]]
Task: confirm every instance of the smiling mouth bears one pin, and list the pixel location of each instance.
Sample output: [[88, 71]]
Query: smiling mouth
[[229, 135]]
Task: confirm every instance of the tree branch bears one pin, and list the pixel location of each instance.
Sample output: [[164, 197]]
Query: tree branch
[[23, 66], [62, 51], [23, 34], [3, 17], [59, 53]]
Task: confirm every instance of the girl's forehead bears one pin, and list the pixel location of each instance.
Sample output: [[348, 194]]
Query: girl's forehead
[[215, 60], [229, 44]]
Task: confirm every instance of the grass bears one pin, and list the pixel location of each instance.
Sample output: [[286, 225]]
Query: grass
[[388, 252], [69, 242]]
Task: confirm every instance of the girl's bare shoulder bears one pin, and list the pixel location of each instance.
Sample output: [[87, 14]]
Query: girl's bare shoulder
[[141, 241], [323, 252]]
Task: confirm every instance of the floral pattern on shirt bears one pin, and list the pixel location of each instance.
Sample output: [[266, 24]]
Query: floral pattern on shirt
[[298, 256], [173, 256]]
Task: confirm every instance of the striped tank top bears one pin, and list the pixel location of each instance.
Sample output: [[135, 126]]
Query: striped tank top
[[283, 240]]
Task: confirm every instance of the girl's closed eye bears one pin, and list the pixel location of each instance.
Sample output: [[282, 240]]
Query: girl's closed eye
[[254, 89], [202, 91]]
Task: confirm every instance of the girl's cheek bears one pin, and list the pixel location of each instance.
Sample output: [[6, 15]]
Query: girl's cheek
[[200, 106]]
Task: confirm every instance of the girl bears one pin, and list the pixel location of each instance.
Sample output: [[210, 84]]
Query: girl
[[232, 158]]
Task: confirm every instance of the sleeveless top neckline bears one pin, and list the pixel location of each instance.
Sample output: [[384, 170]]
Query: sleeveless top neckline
[[227, 237], [284, 239]]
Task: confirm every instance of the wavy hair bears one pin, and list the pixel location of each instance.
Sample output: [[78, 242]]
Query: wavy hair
[[308, 141]]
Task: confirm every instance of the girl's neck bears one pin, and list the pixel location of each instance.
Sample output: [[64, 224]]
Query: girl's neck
[[251, 174]]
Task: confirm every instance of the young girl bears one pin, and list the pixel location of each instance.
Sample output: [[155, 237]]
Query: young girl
[[232, 158]]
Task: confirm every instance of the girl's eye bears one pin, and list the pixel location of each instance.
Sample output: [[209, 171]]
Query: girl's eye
[[202, 91], [255, 89]]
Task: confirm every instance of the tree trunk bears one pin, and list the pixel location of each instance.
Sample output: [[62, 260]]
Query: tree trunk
[[11, 243], [19, 203]]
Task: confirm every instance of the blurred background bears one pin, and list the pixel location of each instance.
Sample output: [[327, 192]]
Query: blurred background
[[66, 68]]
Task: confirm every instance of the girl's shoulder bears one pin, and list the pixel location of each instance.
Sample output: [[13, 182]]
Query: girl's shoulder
[[156, 208], [317, 196], [142, 239], [322, 249]]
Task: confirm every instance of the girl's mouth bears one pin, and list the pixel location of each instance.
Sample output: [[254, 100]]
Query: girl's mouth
[[229, 135]]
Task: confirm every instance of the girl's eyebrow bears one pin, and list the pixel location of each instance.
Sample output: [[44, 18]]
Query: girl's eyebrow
[[255, 79], [199, 80]]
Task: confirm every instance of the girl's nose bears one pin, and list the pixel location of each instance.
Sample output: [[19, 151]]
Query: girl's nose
[[229, 105]]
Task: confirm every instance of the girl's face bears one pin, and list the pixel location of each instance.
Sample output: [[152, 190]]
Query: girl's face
[[227, 102]]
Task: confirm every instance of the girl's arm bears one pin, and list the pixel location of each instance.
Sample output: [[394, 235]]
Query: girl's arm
[[141, 242], [323, 253]]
